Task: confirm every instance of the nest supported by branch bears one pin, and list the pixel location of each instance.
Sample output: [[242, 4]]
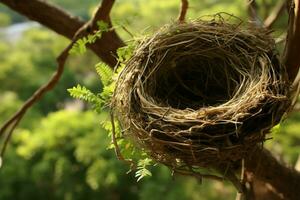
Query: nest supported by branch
[[202, 93]]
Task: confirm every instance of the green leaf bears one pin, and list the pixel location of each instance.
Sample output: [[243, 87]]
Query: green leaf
[[105, 73], [81, 92], [142, 169], [103, 26], [124, 53]]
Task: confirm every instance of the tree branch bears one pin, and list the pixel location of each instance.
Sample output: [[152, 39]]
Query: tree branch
[[11, 124], [252, 12], [275, 14], [286, 181], [67, 25], [47, 14], [15, 119], [183, 10], [292, 47], [103, 12]]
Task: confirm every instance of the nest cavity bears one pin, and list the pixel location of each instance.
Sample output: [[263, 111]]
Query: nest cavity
[[201, 93]]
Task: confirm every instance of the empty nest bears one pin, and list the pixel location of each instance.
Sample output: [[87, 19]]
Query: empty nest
[[201, 94]]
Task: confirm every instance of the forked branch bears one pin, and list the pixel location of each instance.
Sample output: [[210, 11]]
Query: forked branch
[[67, 25], [9, 126]]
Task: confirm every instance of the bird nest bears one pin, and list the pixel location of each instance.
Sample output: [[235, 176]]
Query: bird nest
[[201, 94]]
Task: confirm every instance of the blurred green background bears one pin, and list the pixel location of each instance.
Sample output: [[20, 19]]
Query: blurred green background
[[59, 151]]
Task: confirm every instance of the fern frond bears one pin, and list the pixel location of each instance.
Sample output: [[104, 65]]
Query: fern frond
[[142, 169], [81, 92], [105, 73]]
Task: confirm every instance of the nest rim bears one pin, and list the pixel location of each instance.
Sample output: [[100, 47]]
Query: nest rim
[[212, 134]]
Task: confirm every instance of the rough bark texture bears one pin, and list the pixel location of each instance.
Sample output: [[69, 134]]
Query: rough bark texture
[[292, 48], [269, 174], [67, 25]]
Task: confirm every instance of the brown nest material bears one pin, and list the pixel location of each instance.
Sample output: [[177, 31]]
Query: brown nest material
[[202, 93]]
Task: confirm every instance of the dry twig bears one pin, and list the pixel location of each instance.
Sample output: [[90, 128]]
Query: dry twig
[[275, 14], [183, 10]]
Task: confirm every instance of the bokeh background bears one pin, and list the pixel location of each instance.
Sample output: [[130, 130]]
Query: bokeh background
[[59, 151]]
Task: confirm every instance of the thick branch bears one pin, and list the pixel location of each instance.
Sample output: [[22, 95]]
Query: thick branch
[[275, 14], [47, 14], [104, 11], [15, 119], [65, 24], [286, 181], [292, 48]]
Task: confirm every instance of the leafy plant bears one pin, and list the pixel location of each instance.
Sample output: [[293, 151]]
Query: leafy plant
[[100, 100], [80, 45], [142, 170]]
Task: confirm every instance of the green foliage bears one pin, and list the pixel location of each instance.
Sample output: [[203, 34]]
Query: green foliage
[[124, 53], [23, 71], [142, 170], [287, 139], [64, 152], [80, 45], [107, 77], [105, 73], [4, 20], [81, 92]]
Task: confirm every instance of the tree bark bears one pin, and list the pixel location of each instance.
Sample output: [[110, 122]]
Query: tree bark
[[282, 181], [292, 48]]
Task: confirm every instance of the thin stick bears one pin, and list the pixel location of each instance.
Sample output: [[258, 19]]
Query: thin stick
[[292, 47], [242, 196], [115, 143], [183, 10], [275, 14], [5, 143]]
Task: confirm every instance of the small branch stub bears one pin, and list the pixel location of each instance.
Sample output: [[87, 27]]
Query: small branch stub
[[183, 10]]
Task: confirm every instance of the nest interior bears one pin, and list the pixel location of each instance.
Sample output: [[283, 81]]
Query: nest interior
[[201, 93]]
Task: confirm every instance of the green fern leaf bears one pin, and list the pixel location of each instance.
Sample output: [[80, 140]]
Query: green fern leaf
[[142, 169], [105, 73], [81, 92]]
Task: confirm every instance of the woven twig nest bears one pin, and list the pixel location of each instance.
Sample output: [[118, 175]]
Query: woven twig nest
[[201, 93]]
